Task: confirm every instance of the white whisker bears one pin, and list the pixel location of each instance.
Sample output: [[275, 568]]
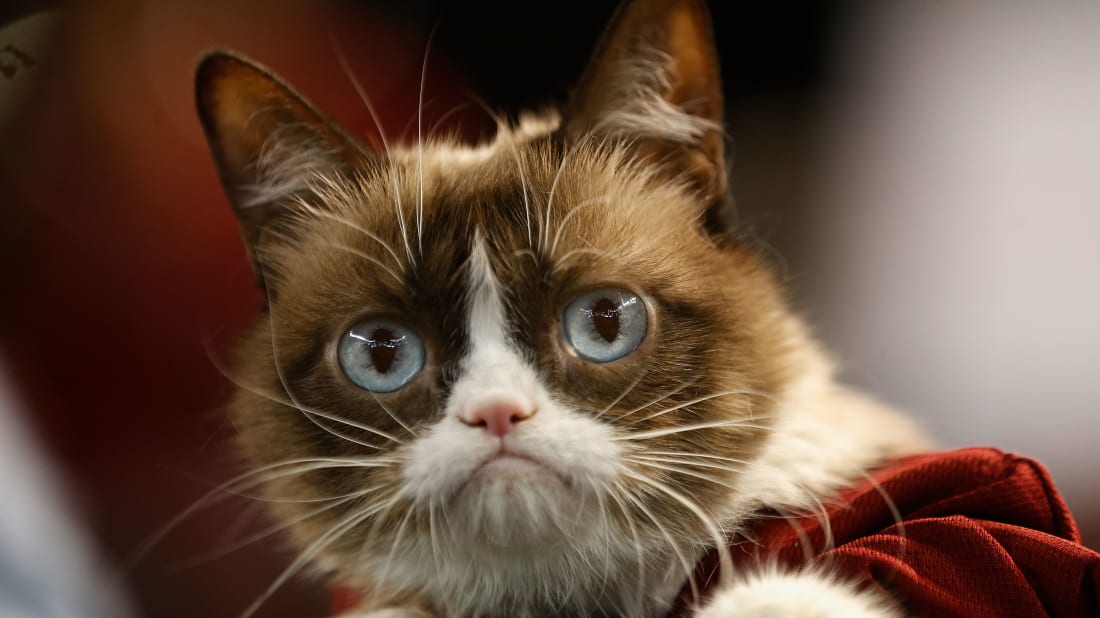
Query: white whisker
[[366, 256], [269, 531], [657, 433], [640, 589], [569, 215], [625, 392], [688, 462], [709, 522], [688, 565], [400, 211], [559, 263], [676, 469], [420, 145], [314, 548], [659, 399], [322, 213], [701, 400], [554, 187], [240, 482], [304, 410]]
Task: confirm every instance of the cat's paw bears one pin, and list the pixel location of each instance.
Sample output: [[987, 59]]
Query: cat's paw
[[803, 594]]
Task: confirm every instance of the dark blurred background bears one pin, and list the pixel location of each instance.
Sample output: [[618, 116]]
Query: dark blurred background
[[924, 173]]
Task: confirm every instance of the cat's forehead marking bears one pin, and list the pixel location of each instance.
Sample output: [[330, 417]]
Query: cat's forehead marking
[[485, 322], [492, 370]]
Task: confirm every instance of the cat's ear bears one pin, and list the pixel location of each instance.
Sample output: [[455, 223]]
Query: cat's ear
[[267, 140], [655, 79]]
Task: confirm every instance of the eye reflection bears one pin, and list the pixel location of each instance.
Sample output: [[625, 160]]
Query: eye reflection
[[380, 356], [605, 324]]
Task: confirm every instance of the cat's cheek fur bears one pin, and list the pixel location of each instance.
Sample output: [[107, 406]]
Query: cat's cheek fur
[[808, 593]]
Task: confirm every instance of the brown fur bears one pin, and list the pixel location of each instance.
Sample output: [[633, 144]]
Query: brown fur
[[560, 212]]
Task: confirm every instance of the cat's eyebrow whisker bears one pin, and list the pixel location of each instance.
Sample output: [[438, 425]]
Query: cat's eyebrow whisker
[[420, 144], [701, 400], [400, 211], [322, 213], [569, 215], [354, 251], [559, 263], [368, 257], [573, 148], [519, 165], [657, 433], [526, 191], [528, 252]]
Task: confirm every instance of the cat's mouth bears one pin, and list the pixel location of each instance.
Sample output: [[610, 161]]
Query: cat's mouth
[[509, 464]]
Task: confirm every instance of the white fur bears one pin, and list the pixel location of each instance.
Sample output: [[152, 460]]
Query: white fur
[[571, 445], [542, 529], [826, 437], [290, 160], [803, 594], [638, 105], [518, 525]]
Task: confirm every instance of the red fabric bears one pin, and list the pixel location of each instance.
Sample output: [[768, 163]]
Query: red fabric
[[985, 534]]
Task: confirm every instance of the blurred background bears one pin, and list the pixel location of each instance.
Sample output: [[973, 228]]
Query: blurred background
[[925, 173]]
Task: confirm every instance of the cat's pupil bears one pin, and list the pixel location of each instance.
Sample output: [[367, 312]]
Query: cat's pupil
[[383, 344], [605, 319]]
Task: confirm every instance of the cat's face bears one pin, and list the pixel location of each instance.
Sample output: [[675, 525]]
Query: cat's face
[[520, 360]]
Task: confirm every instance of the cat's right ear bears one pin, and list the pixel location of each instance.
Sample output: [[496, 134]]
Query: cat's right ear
[[267, 140]]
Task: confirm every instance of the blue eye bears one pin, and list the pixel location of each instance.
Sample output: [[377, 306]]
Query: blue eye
[[604, 324], [380, 356]]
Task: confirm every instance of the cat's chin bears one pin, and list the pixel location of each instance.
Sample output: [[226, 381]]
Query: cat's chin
[[517, 501], [505, 468]]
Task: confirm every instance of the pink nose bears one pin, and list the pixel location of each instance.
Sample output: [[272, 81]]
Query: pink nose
[[497, 418]]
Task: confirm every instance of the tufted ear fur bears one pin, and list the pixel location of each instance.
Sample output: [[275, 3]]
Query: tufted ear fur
[[654, 80], [267, 140]]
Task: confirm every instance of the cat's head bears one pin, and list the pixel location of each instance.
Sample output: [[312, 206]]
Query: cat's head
[[521, 359]]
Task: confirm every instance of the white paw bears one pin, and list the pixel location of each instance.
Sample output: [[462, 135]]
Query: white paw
[[804, 594]]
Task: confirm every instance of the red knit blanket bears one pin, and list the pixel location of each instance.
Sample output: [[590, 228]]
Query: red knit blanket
[[983, 533]]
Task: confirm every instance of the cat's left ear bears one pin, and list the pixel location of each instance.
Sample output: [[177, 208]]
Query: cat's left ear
[[654, 79], [268, 141]]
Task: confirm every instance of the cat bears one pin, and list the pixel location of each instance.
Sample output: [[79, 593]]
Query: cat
[[538, 376]]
